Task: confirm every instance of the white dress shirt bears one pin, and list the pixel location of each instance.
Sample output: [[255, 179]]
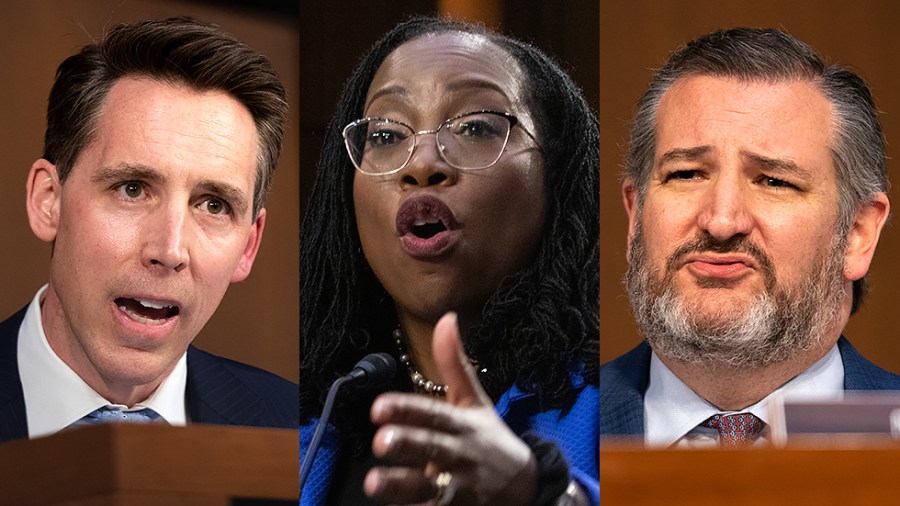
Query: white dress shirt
[[672, 411], [55, 396]]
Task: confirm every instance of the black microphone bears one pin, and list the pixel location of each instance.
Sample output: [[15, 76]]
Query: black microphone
[[374, 370]]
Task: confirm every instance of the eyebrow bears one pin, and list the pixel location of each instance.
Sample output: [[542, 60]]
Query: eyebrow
[[390, 90], [679, 154], [126, 171], [780, 165], [232, 194], [235, 197], [475, 83]]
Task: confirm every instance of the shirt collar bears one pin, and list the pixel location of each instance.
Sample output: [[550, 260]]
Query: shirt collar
[[672, 409], [55, 396]]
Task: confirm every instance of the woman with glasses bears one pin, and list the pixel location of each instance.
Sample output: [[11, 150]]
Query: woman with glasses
[[453, 225]]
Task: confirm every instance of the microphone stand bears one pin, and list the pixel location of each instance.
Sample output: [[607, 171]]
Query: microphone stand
[[373, 370]]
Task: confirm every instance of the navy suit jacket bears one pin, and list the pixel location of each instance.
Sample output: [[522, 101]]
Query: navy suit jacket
[[624, 381], [218, 390]]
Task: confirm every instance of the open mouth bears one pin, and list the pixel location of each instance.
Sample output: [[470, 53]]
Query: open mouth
[[427, 227], [424, 217], [147, 311], [427, 230]]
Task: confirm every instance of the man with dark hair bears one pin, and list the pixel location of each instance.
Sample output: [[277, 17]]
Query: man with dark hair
[[755, 187], [160, 145]]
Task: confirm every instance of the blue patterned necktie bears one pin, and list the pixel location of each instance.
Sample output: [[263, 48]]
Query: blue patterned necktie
[[736, 430], [108, 414]]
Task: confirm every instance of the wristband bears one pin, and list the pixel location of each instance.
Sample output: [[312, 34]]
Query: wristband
[[552, 471]]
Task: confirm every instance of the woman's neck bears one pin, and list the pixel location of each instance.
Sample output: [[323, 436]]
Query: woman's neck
[[416, 335]]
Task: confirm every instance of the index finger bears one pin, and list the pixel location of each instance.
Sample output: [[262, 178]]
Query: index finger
[[416, 410]]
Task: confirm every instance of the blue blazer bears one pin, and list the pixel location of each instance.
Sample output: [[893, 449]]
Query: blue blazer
[[574, 431], [624, 381], [218, 390]]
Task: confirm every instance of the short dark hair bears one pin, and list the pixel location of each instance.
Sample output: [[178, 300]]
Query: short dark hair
[[770, 55], [537, 327], [180, 51]]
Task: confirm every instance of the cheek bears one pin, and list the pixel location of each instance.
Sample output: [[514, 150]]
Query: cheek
[[516, 196], [794, 246], [215, 258], [663, 227], [88, 232], [373, 213]]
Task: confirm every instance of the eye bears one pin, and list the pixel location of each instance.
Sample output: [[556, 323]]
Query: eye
[[682, 175], [132, 189], [384, 135], [215, 205], [481, 125], [772, 182]]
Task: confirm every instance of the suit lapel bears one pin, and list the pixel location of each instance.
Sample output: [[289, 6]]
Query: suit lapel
[[860, 374], [13, 422], [623, 383], [215, 395]]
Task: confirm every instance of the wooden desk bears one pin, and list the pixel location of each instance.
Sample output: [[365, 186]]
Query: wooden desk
[[143, 465], [857, 473]]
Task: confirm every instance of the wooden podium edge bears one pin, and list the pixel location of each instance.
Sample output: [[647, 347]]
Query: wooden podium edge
[[115, 458], [860, 471]]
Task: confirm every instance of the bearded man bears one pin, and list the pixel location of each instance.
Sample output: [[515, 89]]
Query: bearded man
[[755, 186]]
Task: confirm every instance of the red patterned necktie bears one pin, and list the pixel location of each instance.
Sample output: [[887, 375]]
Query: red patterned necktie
[[735, 430]]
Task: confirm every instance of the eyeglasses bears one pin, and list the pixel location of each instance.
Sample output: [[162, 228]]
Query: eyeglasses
[[471, 141]]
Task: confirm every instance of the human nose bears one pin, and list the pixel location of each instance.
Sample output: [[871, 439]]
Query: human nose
[[164, 241], [726, 211], [427, 166]]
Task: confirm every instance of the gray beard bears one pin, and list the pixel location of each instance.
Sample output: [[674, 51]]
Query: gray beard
[[776, 326]]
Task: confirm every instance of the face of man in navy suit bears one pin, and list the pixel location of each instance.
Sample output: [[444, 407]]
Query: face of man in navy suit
[[149, 229], [736, 253]]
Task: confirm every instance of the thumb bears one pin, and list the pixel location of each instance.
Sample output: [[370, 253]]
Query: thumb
[[463, 387]]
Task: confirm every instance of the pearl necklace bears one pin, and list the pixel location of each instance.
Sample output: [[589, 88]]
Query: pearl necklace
[[419, 382]]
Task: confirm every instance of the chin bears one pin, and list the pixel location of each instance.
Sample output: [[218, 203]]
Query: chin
[[136, 367], [716, 303]]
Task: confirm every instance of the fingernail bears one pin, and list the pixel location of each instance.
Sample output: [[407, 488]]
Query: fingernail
[[381, 410], [388, 438], [372, 484]]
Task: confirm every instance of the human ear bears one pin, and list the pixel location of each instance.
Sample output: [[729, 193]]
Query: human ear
[[629, 198], [42, 196], [251, 248], [863, 236]]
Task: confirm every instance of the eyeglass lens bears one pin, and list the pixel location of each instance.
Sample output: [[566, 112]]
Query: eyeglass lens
[[473, 141]]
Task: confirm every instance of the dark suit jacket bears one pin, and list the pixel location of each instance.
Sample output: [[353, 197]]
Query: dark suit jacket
[[624, 381], [218, 390]]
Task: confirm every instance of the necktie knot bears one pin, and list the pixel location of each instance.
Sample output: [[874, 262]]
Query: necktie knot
[[107, 414], [735, 430]]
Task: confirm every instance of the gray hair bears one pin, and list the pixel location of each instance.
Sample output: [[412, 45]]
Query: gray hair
[[756, 54]]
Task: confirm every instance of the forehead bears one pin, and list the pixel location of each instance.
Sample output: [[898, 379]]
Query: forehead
[[177, 130], [449, 62], [139, 110], [786, 119]]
